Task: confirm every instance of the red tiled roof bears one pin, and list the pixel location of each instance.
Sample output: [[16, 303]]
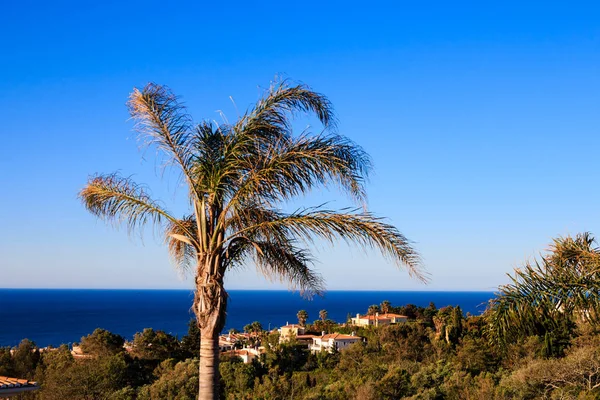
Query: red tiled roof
[[382, 316], [306, 336], [339, 336], [373, 317], [14, 385], [392, 315]]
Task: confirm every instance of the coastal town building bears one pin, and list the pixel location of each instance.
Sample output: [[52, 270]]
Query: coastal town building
[[378, 319], [77, 352], [306, 339], [333, 341], [226, 343], [12, 386], [288, 331], [232, 341], [247, 354], [291, 329]]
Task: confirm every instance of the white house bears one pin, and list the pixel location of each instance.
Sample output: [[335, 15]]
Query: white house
[[333, 341]]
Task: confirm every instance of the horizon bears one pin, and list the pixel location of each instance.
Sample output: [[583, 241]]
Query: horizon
[[258, 290]]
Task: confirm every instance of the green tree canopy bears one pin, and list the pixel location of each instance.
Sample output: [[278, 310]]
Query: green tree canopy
[[102, 342], [190, 343], [25, 359], [155, 345]]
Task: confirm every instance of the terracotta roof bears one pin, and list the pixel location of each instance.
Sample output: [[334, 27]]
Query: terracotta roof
[[373, 317], [392, 315], [306, 336], [339, 336], [293, 326], [10, 386], [382, 316]]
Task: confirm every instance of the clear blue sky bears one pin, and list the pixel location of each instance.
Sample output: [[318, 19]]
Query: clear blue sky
[[482, 121]]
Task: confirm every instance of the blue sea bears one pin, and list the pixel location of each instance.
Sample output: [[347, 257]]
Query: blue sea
[[56, 316]]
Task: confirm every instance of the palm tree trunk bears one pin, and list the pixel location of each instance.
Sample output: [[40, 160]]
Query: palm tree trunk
[[209, 364], [210, 303]]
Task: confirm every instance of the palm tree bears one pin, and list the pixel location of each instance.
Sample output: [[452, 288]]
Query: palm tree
[[561, 286], [302, 317], [323, 315], [373, 309], [255, 327], [237, 177], [385, 306]]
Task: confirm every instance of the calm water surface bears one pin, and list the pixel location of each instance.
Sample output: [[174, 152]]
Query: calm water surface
[[55, 316]]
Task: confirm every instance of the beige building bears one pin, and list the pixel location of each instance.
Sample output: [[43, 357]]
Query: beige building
[[290, 330], [378, 319], [333, 341]]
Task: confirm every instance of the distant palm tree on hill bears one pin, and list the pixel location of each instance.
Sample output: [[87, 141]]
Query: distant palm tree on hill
[[302, 317], [254, 327], [323, 315], [385, 306], [237, 177], [373, 309]]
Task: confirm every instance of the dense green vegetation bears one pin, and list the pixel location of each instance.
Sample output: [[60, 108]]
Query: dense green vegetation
[[438, 354]]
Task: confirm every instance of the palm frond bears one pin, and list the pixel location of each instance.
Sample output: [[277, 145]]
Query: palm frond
[[563, 284], [270, 118], [236, 253], [121, 201], [279, 259], [573, 251], [354, 227], [289, 264], [296, 166], [215, 167], [162, 121], [180, 238]]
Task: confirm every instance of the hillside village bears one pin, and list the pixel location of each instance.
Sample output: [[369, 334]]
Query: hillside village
[[248, 345]]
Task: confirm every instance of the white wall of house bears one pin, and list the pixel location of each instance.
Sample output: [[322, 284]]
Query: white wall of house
[[329, 343]]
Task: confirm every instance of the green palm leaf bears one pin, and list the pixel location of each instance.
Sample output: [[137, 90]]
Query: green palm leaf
[[565, 284]]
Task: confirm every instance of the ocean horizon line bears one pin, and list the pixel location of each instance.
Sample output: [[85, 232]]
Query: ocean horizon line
[[268, 290], [53, 316]]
